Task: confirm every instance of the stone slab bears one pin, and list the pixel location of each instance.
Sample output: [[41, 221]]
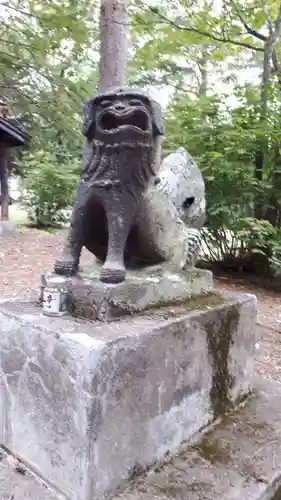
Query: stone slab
[[86, 403], [239, 460], [7, 228], [156, 286], [18, 483]]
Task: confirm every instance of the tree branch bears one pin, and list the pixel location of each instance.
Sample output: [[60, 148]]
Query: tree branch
[[277, 28], [38, 105], [19, 11], [247, 27], [268, 20], [205, 33], [275, 61]]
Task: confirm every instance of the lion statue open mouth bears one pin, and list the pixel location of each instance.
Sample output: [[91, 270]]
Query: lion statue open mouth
[[123, 212], [114, 115], [116, 119]]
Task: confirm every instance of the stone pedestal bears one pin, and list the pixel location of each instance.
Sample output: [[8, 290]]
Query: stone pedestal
[[85, 403], [240, 459], [149, 288]]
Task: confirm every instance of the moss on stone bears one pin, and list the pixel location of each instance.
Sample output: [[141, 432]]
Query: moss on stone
[[220, 328], [277, 495], [196, 273], [199, 302], [204, 301], [213, 451]]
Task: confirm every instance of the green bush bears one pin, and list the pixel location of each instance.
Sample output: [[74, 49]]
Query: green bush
[[253, 246], [49, 188], [225, 143]]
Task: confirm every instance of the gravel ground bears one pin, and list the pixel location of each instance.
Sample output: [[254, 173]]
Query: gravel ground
[[25, 256], [29, 253]]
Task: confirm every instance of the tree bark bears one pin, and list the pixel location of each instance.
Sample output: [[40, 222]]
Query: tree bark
[[114, 29], [202, 64], [261, 156], [4, 182]]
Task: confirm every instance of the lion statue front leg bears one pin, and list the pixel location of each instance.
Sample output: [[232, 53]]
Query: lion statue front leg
[[68, 262]]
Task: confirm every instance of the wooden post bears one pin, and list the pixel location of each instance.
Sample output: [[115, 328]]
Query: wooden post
[[4, 185], [114, 29]]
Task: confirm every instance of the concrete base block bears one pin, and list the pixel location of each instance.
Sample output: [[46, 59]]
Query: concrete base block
[[19, 483], [239, 460], [86, 403], [154, 286], [7, 228]]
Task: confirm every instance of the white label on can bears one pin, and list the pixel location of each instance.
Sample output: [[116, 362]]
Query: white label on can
[[51, 301]]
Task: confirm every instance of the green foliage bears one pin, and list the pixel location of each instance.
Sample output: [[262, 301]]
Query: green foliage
[[171, 39], [47, 68], [225, 141], [253, 246], [45, 64], [224, 145], [49, 187]]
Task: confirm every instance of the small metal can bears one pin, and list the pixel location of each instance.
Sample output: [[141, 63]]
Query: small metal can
[[55, 296]]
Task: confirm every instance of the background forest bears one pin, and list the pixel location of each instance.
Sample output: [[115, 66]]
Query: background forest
[[214, 65]]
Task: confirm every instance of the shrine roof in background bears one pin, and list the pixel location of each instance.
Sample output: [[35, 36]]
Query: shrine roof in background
[[12, 133]]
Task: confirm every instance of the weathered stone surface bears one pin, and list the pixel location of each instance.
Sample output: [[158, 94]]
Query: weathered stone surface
[[154, 286], [172, 213], [84, 403], [182, 183], [18, 483], [7, 228], [122, 128], [129, 209], [239, 460]]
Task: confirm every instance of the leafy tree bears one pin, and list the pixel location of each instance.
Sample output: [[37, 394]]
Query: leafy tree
[[47, 68], [225, 140], [200, 49], [49, 187], [45, 62]]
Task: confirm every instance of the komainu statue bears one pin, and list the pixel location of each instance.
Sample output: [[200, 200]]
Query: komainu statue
[[130, 210]]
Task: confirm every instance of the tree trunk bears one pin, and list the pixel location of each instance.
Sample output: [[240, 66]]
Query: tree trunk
[[261, 155], [4, 182], [114, 28], [202, 64]]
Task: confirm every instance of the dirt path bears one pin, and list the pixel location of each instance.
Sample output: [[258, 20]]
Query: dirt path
[[269, 303], [28, 254], [268, 331], [25, 257]]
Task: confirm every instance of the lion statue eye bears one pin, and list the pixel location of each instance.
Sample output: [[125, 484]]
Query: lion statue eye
[[135, 102], [105, 104]]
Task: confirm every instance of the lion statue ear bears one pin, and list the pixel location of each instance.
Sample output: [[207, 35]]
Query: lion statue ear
[[157, 118], [89, 125]]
